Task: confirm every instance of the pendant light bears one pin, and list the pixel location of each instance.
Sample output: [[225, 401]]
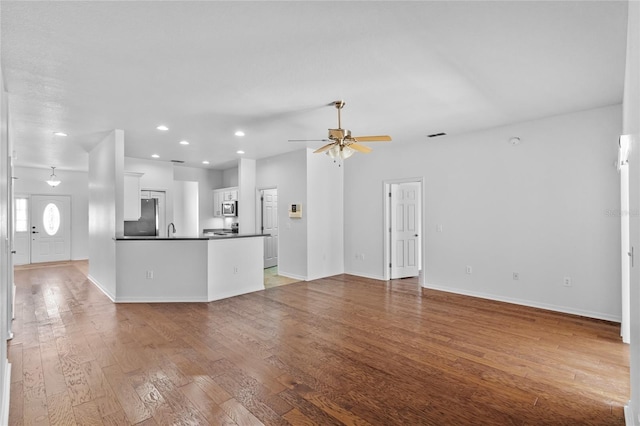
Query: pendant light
[[53, 179]]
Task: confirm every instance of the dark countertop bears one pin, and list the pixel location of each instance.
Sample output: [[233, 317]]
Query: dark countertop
[[204, 237]]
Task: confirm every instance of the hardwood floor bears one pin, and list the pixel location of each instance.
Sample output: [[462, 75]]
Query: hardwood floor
[[343, 350]]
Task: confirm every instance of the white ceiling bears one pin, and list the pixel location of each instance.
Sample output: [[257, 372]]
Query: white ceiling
[[206, 69]]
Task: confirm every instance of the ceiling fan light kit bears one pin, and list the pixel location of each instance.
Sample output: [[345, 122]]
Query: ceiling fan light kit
[[341, 144]]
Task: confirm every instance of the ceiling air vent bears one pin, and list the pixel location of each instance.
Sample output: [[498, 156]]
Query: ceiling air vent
[[435, 135], [177, 161]]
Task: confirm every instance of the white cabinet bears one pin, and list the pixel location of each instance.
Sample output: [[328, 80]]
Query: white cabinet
[[132, 195], [220, 196], [217, 203]]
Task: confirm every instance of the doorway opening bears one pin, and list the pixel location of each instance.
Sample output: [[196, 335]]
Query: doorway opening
[[403, 228]]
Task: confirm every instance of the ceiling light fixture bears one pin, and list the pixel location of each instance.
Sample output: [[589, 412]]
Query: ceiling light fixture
[[239, 133], [514, 140], [53, 179], [155, 156], [184, 142], [59, 134], [240, 152], [162, 127], [205, 162], [340, 151]]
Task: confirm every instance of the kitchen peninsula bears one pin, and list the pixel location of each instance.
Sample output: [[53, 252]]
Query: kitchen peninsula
[[184, 269]]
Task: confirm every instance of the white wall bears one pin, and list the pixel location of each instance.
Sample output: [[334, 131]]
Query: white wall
[[31, 181], [288, 173], [207, 181], [325, 216], [106, 209], [631, 125], [538, 208], [185, 209], [5, 256], [230, 177], [247, 196]]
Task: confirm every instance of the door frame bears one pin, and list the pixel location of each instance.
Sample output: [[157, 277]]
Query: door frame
[[386, 230], [258, 215]]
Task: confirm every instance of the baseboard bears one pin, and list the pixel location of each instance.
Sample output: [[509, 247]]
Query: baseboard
[[97, 284], [360, 274], [529, 303], [6, 390], [160, 300], [292, 276]]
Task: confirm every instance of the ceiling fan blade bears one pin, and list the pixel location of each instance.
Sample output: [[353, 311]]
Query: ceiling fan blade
[[308, 140], [324, 148], [360, 148], [381, 138]]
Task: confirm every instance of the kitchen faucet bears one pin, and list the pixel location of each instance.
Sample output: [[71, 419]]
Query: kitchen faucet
[[171, 225]]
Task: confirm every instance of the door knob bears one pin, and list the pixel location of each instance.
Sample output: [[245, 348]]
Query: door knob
[[415, 235], [34, 232]]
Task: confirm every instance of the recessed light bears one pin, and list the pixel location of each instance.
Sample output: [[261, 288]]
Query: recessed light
[[162, 127], [59, 134], [184, 142], [205, 162], [155, 156], [239, 133], [239, 152]]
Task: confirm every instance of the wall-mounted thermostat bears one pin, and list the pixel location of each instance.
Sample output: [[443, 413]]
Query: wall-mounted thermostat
[[295, 211]]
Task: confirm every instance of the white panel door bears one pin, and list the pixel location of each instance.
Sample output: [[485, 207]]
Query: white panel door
[[50, 228], [270, 226], [21, 233], [405, 230]]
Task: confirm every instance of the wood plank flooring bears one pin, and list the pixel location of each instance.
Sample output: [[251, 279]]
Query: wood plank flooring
[[343, 350]]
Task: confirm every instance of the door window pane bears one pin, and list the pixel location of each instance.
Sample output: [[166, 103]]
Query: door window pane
[[51, 219], [21, 217]]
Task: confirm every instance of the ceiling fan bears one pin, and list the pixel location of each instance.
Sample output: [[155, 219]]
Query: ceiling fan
[[341, 144]]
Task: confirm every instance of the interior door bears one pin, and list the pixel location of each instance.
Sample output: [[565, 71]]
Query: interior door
[[21, 230], [270, 226], [50, 228], [405, 230]]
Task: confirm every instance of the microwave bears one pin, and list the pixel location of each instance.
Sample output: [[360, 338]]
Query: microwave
[[230, 208]]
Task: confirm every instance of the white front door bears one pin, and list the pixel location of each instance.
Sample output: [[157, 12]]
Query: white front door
[[405, 230], [270, 226], [21, 233], [50, 228]]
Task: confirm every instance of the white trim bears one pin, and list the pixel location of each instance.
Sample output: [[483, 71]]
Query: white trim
[[6, 391], [386, 187], [292, 276], [546, 306], [161, 300], [370, 276], [629, 418], [97, 284]]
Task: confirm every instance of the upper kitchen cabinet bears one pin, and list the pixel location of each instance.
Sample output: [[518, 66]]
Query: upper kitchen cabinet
[[132, 195], [222, 195]]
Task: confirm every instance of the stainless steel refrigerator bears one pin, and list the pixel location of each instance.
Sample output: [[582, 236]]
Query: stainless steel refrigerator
[[147, 225]]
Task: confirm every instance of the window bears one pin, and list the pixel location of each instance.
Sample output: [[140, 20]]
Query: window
[[21, 215], [51, 219]]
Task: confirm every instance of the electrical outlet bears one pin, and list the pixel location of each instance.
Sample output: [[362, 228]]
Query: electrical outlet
[[439, 228], [568, 282], [361, 256], [235, 269], [469, 270], [149, 275], [516, 276]]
